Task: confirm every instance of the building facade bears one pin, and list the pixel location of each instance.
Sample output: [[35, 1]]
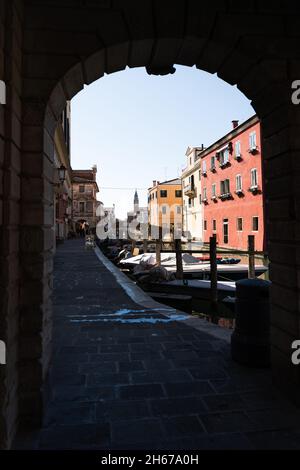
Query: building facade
[[85, 204], [165, 207], [192, 206], [232, 187], [63, 189]]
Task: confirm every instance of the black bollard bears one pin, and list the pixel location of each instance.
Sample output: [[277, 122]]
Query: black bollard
[[250, 342]]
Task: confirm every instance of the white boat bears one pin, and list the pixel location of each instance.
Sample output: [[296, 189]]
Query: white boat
[[192, 267]]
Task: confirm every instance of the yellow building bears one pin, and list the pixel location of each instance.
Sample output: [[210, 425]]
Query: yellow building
[[165, 207]]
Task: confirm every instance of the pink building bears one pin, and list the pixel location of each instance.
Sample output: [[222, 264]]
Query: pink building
[[232, 187]]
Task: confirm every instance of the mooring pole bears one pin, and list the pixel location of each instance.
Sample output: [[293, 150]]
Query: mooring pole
[[213, 277], [159, 247], [251, 251], [179, 265]]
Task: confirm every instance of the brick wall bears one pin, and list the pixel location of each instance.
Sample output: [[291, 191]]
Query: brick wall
[[11, 17]]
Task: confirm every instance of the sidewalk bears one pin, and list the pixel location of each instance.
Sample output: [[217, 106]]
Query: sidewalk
[[127, 377]]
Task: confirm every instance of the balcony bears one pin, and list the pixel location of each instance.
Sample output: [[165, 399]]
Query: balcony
[[190, 191], [226, 197], [253, 150], [239, 193], [255, 189]]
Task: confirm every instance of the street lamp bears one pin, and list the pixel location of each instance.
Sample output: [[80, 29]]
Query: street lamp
[[62, 174]]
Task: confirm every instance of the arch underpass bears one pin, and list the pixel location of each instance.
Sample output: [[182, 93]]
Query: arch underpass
[[49, 50]]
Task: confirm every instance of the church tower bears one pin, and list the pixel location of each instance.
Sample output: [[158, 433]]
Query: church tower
[[136, 203]]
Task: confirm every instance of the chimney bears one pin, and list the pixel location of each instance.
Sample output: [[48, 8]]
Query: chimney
[[154, 183], [235, 124]]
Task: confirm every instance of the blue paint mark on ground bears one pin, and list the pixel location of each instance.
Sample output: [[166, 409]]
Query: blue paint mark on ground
[[119, 315]]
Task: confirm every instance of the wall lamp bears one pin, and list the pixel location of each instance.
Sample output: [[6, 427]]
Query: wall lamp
[[61, 172]]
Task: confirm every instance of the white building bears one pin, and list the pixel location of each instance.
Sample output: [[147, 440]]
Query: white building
[[192, 203]]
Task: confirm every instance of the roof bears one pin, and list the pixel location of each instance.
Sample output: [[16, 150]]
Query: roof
[[84, 175], [175, 182], [229, 136]]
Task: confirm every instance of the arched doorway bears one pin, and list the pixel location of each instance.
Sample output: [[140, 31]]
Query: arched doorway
[[67, 46]]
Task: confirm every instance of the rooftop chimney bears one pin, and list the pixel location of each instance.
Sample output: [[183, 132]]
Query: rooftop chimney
[[154, 183], [235, 124]]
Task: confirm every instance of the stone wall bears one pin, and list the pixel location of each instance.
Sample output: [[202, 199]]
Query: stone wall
[[11, 18]]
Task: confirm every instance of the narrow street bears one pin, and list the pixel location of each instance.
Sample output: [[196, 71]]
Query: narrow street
[[127, 377]]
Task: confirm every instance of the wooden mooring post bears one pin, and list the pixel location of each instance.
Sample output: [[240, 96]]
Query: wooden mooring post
[[213, 277], [159, 247], [145, 246], [179, 265], [133, 245], [251, 251]]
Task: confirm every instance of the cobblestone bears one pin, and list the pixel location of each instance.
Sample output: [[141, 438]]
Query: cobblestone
[[148, 386]]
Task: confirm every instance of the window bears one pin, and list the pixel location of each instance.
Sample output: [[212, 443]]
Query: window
[[204, 168], [200, 199], [204, 194], [252, 141], [214, 191], [164, 193], [81, 207], [225, 187], [214, 225], [199, 175], [89, 206], [226, 231], [239, 183], [213, 163], [239, 224], [254, 178], [178, 193], [238, 149], [178, 209], [255, 224], [190, 162], [164, 209], [81, 189], [205, 225], [155, 195], [224, 157]]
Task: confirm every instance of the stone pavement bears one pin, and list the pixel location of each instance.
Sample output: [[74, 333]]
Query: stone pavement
[[125, 377]]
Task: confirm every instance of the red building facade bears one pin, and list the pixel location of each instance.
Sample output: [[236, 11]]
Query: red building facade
[[232, 192]]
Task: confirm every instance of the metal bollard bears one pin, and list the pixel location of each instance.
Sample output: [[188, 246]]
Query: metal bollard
[[250, 341]]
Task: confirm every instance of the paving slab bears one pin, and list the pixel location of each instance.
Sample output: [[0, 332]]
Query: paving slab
[[128, 373]]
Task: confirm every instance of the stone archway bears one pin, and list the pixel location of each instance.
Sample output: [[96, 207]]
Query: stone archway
[[56, 48]]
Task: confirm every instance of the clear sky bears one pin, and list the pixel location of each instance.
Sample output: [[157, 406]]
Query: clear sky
[[137, 127]]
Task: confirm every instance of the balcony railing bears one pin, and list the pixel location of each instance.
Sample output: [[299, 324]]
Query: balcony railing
[[190, 191]]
